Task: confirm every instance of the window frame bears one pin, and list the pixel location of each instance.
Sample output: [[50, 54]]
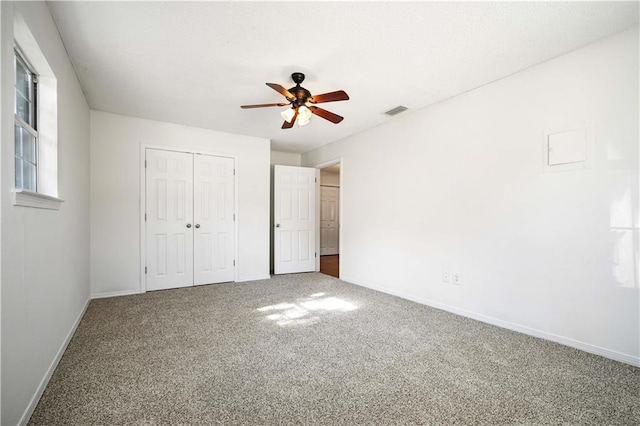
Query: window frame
[[31, 128], [46, 109]]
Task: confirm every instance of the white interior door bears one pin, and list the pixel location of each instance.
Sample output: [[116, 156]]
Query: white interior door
[[213, 198], [294, 219], [169, 220], [329, 225]]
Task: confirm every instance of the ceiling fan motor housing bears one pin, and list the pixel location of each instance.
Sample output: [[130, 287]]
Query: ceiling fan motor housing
[[302, 95]]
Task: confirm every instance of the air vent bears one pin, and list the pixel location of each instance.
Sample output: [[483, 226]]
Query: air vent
[[397, 110]]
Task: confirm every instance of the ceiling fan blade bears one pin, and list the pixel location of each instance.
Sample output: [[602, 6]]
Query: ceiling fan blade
[[327, 115], [339, 95], [284, 92], [287, 125], [261, 105]]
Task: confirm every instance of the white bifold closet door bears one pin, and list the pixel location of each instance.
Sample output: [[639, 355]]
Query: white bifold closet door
[[189, 219], [213, 217], [169, 219]]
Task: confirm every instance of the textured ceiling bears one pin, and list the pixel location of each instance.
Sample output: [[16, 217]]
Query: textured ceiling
[[196, 63]]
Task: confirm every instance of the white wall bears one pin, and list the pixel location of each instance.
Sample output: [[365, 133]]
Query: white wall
[[285, 158], [460, 186], [45, 253], [115, 195]]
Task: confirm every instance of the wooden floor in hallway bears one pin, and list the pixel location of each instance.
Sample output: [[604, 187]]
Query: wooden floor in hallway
[[330, 265]]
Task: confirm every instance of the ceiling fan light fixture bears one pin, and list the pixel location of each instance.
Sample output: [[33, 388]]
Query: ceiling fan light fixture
[[304, 112], [288, 114], [303, 121], [304, 115]]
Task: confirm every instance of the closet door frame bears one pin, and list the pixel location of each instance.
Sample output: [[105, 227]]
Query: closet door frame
[[143, 189]]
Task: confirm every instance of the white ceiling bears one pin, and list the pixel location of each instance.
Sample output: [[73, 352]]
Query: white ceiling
[[196, 63]]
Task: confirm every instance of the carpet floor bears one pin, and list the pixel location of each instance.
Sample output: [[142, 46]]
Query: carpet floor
[[310, 349]]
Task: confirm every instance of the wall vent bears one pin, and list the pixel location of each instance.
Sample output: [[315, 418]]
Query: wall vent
[[397, 110]]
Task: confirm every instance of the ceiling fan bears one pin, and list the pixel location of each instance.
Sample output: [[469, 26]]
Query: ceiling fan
[[303, 103]]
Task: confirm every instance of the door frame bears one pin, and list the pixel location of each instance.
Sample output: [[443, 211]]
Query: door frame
[[143, 201], [319, 166]]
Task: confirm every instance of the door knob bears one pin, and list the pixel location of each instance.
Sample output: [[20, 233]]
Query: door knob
[[197, 225], [277, 225], [188, 225]]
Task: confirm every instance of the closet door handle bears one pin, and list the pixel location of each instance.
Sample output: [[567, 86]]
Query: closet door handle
[[188, 225], [197, 225]]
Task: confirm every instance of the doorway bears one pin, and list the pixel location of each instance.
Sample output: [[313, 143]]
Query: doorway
[[330, 220], [294, 214]]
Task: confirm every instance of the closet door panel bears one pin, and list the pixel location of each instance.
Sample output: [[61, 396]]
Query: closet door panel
[[169, 219], [214, 206]]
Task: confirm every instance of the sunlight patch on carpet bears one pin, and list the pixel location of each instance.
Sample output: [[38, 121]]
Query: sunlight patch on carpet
[[304, 311]]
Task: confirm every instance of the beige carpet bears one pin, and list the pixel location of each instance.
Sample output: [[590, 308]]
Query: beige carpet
[[310, 349]]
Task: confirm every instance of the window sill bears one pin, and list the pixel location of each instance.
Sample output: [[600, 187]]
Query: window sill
[[26, 198]]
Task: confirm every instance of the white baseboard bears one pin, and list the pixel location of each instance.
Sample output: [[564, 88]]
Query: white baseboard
[[256, 278], [137, 291], [45, 380], [115, 293], [587, 347]]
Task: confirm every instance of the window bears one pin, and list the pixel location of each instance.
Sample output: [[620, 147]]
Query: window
[[26, 133], [35, 123]]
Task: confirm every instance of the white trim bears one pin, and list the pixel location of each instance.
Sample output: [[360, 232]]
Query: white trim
[[26, 198], [114, 293], [586, 347], [330, 163], [236, 212], [45, 380], [26, 126], [319, 218], [143, 207], [339, 160], [256, 278]]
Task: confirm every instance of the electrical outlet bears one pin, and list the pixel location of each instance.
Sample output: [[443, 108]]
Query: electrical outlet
[[446, 277], [455, 278]]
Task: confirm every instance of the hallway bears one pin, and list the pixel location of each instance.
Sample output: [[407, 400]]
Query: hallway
[[330, 265]]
